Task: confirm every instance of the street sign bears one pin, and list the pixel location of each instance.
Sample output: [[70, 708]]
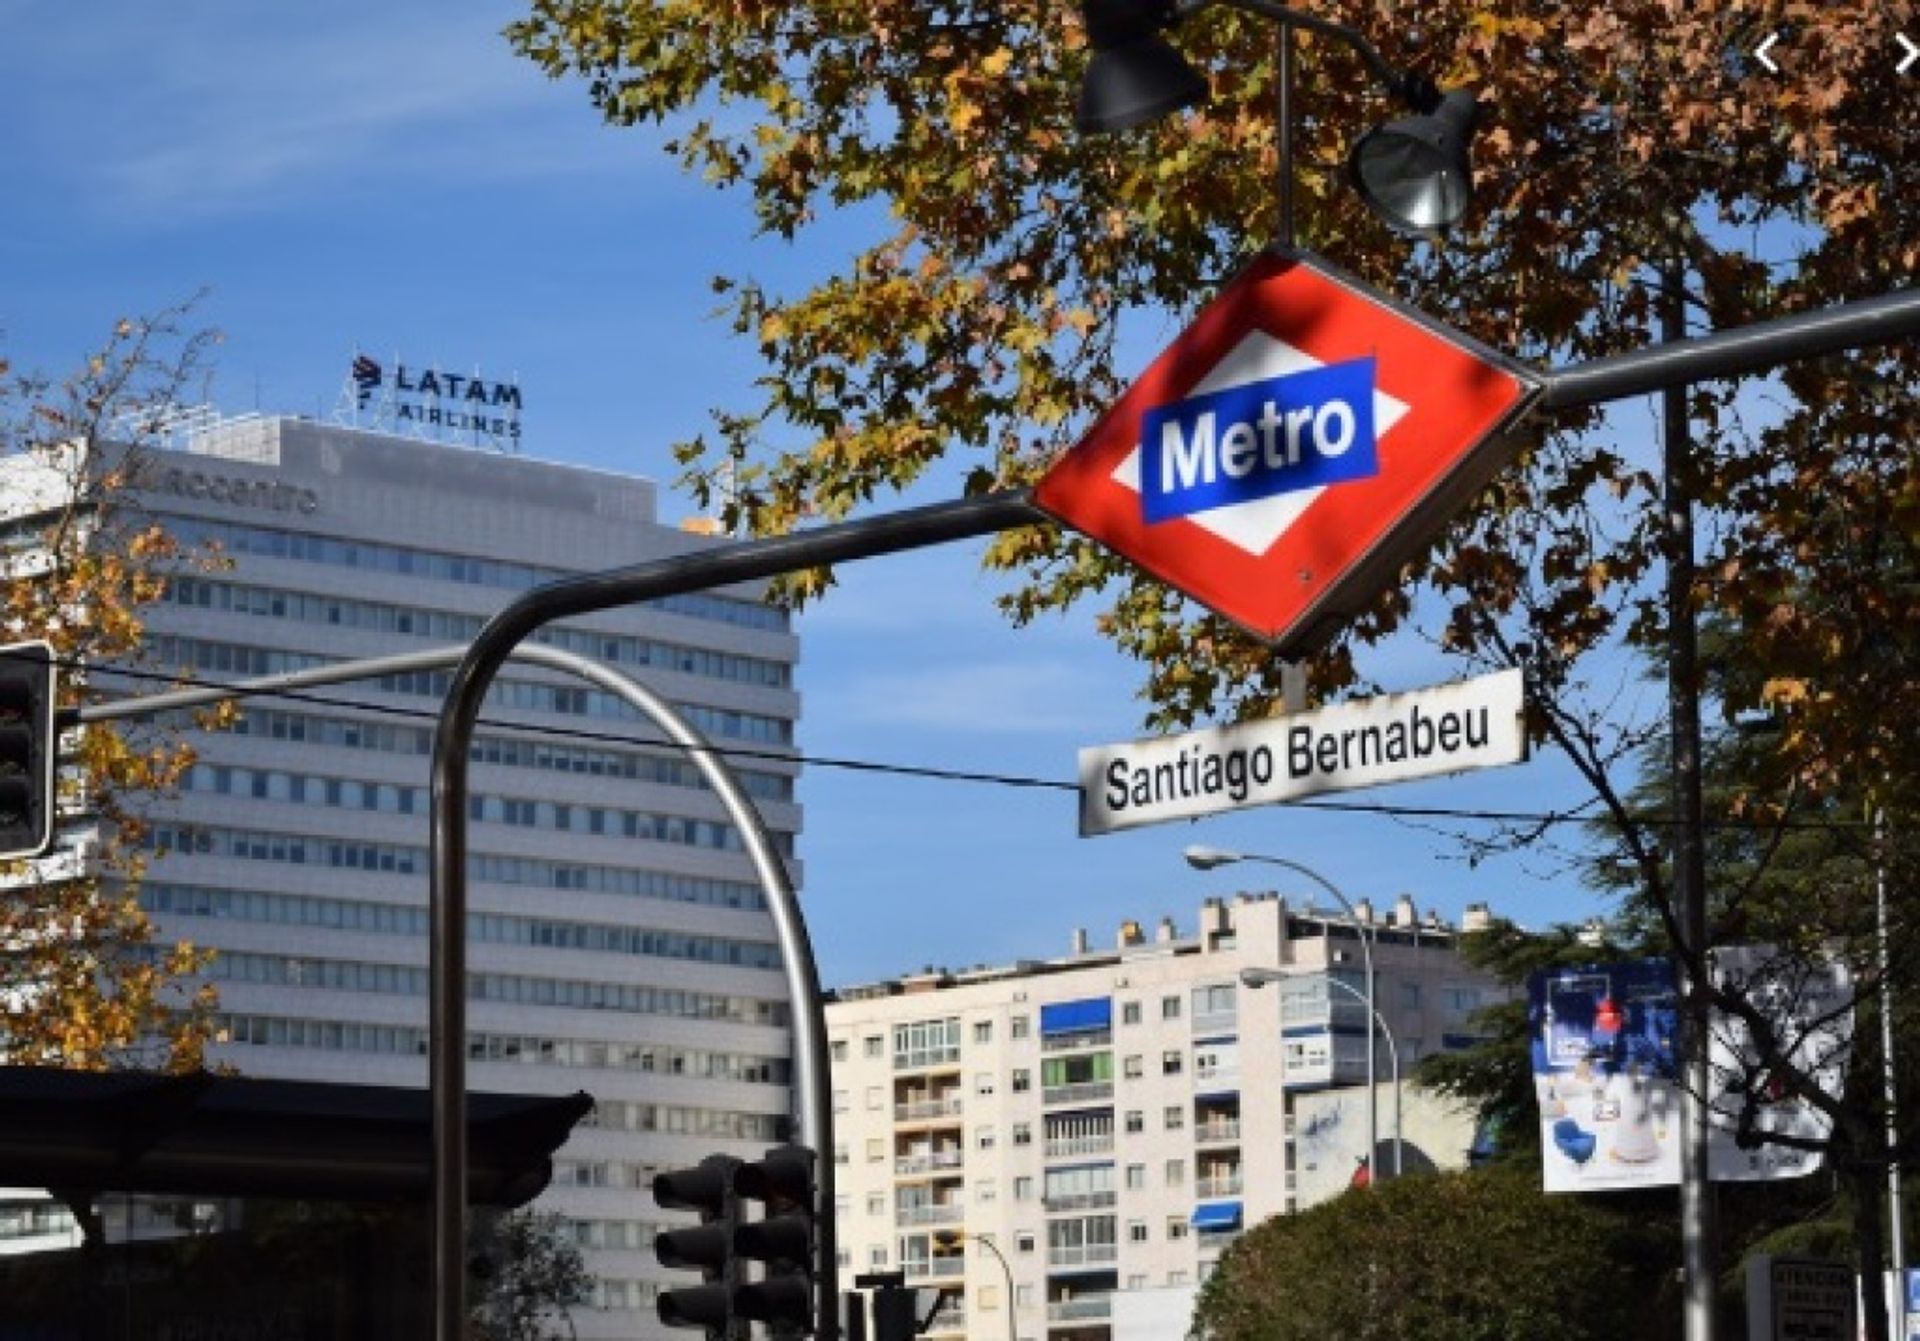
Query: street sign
[[1394, 738], [1291, 448]]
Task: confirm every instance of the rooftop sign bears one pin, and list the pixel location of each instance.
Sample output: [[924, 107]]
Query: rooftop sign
[[425, 402]]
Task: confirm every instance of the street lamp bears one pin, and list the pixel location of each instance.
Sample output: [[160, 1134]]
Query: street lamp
[[1206, 858], [952, 1238], [1256, 978], [1412, 172]]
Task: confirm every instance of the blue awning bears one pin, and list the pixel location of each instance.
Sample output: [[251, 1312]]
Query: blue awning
[[1075, 1017], [1217, 1215]]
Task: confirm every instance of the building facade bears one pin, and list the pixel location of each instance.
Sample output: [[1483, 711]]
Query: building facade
[[1077, 1139], [619, 942]]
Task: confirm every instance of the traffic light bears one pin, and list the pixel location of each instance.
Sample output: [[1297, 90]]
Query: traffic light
[[27, 749], [709, 1188], [782, 1241]]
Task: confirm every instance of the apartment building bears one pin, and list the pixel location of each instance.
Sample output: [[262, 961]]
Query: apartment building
[[619, 942], [1077, 1139]]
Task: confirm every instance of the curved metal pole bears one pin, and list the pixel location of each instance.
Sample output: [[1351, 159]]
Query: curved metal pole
[[796, 947], [1205, 858], [987, 1242], [583, 594], [1393, 1058]]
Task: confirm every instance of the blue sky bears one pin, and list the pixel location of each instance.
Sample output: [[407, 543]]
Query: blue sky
[[389, 177]]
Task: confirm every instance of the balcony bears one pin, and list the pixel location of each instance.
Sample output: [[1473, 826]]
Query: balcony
[[1217, 1132], [908, 1166], [1087, 1308], [935, 1268], [1086, 1041], [1086, 1254], [1085, 1092], [919, 1059], [919, 1110], [933, 1213], [1219, 1185], [1217, 1022], [1080, 1201], [1067, 1147], [949, 1320]]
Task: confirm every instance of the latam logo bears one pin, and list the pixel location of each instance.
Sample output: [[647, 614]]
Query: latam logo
[[1257, 440]]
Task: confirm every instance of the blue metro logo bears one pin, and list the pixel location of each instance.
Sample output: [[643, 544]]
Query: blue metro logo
[[1274, 436]]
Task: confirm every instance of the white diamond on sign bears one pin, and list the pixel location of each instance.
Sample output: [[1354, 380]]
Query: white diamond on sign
[[1255, 525]]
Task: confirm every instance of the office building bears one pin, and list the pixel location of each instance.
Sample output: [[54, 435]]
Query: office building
[[619, 942], [1078, 1138]]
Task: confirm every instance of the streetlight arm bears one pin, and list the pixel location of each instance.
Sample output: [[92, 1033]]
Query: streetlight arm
[[1417, 91]]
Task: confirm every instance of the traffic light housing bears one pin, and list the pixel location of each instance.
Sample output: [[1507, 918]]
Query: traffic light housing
[[709, 1188], [783, 1241], [28, 747]]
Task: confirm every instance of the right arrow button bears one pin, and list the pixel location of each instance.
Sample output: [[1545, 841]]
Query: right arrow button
[[1911, 56]]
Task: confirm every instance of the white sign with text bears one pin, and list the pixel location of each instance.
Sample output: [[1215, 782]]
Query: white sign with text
[[1395, 738]]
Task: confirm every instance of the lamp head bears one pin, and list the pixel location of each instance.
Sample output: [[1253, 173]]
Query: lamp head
[[1203, 858], [1414, 173], [1133, 76]]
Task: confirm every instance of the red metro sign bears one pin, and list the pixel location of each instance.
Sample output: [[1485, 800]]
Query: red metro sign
[[1291, 448]]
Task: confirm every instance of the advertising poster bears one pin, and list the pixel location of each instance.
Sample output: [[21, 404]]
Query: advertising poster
[[1606, 1053], [1606, 1047], [1811, 1006]]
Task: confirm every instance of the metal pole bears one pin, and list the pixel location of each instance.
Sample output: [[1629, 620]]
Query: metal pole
[[1897, 1230], [796, 947], [1205, 857], [1393, 1057], [1697, 1229], [1879, 320], [1005, 1270], [579, 595], [1283, 61]]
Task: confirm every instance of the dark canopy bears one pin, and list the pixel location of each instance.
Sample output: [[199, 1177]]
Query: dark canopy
[[79, 1133]]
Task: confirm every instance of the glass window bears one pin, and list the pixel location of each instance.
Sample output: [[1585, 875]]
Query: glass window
[[983, 1031], [1130, 1012], [1136, 1177], [1017, 1027], [1170, 1062], [1136, 1121], [1169, 1007]]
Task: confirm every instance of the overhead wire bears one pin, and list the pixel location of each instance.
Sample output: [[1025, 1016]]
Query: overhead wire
[[1582, 814]]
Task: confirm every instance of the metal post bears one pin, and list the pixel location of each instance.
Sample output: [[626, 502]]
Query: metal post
[[1005, 1270], [1697, 1230], [583, 594], [1205, 857], [1283, 63], [1393, 1060], [1897, 1230]]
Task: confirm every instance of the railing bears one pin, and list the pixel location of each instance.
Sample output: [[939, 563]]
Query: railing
[[947, 1320], [1080, 1310], [1226, 1185], [1217, 1022], [1064, 1147], [1081, 1042], [929, 1215], [1207, 1132], [1077, 1094], [935, 1268], [1080, 1201], [1219, 1080], [907, 1165], [919, 1057], [1086, 1254], [927, 1108]]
